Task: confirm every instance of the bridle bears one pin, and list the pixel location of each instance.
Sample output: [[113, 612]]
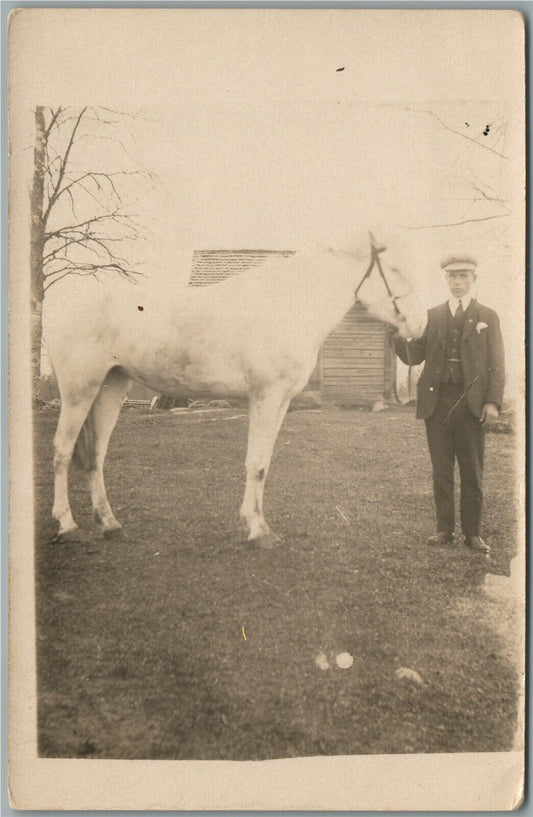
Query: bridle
[[374, 261]]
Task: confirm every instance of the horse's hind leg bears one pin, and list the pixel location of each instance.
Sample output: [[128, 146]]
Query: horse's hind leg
[[265, 418], [104, 415], [71, 419]]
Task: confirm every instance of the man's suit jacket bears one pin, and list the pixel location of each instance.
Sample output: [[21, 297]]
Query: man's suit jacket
[[482, 358]]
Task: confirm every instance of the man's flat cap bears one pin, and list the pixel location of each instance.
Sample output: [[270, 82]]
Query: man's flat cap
[[459, 263]]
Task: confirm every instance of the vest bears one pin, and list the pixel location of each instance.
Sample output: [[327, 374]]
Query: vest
[[452, 369]]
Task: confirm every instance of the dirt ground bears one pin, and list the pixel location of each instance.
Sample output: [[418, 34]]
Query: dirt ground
[[182, 641]]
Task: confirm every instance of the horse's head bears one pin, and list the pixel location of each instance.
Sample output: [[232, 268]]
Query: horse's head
[[388, 293]]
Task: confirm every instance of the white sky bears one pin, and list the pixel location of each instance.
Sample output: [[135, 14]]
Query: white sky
[[257, 140]]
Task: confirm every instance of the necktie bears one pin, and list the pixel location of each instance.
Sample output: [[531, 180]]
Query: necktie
[[459, 311]]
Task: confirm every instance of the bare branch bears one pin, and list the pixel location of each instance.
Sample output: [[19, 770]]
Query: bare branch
[[96, 199], [68, 272], [90, 246], [117, 141], [454, 223], [484, 195], [55, 115], [51, 162], [92, 270], [497, 229], [63, 167], [109, 216], [82, 240], [464, 136], [90, 175], [123, 114], [452, 130]]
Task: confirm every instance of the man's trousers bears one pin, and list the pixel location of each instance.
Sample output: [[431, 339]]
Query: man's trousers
[[455, 433]]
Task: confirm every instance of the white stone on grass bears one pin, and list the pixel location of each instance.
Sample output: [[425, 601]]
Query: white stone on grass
[[321, 661], [344, 660]]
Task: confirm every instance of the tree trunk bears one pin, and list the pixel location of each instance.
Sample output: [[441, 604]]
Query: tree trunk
[[37, 238]]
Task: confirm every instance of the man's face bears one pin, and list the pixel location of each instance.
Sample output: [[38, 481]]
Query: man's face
[[460, 281]]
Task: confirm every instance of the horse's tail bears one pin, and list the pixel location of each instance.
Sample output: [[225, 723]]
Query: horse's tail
[[84, 456]]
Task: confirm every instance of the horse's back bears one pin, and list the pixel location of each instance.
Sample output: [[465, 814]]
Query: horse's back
[[258, 324]]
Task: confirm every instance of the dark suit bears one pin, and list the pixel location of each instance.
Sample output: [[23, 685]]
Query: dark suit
[[452, 410]]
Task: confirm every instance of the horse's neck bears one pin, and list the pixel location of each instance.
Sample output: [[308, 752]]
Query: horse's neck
[[338, 280]]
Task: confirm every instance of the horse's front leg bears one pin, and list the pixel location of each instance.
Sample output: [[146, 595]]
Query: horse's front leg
[[265, 418]]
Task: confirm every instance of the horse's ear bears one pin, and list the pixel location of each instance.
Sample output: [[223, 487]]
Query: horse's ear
[[377, 245]]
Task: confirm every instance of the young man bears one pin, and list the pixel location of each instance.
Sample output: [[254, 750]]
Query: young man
[[459, 393]]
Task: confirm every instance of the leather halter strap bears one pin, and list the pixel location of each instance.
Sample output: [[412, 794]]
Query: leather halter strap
[[375, 261]]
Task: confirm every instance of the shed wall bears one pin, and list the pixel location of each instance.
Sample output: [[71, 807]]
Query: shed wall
[[357, 363]]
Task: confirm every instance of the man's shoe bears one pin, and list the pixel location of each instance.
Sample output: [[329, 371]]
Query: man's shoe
[[477, 543], [441, 538]]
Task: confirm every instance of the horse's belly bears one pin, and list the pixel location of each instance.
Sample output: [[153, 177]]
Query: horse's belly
[[194, 389], [186, 379]]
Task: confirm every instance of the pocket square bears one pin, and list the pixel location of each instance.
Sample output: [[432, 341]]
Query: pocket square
[[481, 325]]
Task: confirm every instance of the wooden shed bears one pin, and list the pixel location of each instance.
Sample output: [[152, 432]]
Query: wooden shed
[[355, 365]]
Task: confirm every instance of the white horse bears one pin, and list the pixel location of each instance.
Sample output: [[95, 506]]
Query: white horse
[[256, 335]]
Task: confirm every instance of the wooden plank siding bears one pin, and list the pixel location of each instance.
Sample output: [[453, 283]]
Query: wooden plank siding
[[357, 363]]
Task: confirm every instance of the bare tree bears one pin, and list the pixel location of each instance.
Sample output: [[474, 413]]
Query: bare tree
[[481, 199], [79, 225]]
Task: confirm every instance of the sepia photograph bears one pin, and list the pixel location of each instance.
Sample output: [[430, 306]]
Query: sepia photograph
[[267, 409]]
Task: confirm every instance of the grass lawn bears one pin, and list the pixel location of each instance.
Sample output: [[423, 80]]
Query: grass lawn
[[182, 641]]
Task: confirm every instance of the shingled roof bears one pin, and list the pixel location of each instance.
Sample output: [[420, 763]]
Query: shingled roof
[[211, 266]]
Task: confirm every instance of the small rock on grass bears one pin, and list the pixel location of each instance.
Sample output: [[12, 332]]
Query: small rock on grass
[[321, 661], [344, 660], [411, 675]]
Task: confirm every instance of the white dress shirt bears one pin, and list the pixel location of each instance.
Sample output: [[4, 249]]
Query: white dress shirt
[[453, 303]]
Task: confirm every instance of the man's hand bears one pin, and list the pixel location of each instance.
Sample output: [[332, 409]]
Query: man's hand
[[489, 414]]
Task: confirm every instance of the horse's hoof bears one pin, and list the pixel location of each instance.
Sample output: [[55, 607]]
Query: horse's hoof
[[266, 541], [114, 533], [75, 535]]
